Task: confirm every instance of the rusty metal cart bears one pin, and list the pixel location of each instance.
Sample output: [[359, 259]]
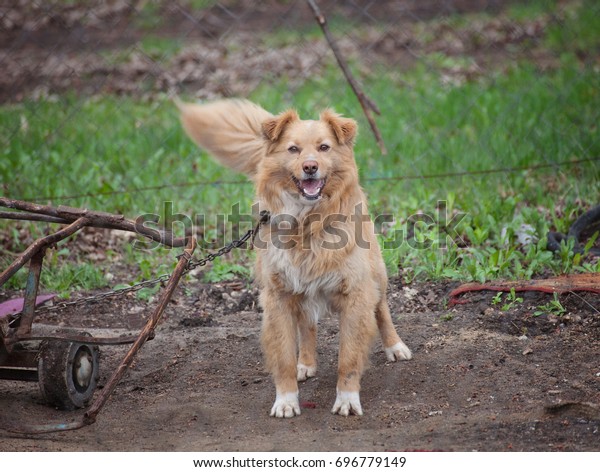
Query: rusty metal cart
[[65, 363]]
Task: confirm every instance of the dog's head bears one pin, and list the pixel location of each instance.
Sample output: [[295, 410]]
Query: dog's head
[[309, 160]]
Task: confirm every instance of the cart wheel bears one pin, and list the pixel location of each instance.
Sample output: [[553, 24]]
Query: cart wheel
[[67, 373]]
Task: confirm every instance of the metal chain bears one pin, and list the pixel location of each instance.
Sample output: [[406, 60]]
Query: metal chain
[[103, 296], [192, 264]]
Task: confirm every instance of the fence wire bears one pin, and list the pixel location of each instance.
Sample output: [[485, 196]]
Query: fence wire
[[144, 52]]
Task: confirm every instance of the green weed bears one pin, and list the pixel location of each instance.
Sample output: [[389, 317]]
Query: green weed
[[510, 300], [148, 17], [65, 278], [531, 9], [158, 48], [578, 29], [553, 307], [221, 271]]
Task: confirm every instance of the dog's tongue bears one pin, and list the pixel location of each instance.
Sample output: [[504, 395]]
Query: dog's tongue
[[312, 187]]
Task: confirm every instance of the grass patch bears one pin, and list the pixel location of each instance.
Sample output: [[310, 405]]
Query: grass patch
[[101, 152], [154, 48], [553, 307], [530, 10], [148, 16], [61, 277], [104, 151], [578, 30], [306, 33], [222, 270], [510, 300], [200, 4], [160, 48]]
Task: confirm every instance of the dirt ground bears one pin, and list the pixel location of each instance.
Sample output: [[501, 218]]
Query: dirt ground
[[481, 379], [99, 47]]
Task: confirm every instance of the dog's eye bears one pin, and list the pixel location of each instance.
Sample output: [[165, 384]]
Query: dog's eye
[[294, 149], [324, 147]]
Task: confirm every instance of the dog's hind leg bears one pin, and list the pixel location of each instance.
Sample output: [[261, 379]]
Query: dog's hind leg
[[278, 340], [307, 362], [394, 347]]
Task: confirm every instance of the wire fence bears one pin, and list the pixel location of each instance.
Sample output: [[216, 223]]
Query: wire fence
[[144, 52], [372, 179]]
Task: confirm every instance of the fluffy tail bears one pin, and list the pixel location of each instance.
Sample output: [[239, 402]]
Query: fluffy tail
[[230, 130]]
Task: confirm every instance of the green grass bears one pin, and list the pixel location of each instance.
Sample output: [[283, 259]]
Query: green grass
[[149, 15], [124, 156], [531, 9], [578, 30], [200, 4], [553, 307], [157, 49], [64, 278]]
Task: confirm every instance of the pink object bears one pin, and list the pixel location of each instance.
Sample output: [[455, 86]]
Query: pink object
[[16, 304], [308, 404]]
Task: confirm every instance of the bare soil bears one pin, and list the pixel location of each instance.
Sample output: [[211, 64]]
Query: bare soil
[[98, 48], [481, 379]]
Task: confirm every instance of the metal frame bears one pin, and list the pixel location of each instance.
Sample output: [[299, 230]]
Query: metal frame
[[22, 364]]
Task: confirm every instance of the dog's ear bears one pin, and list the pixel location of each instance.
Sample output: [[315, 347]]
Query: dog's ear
[[273, 127], [344, 128]]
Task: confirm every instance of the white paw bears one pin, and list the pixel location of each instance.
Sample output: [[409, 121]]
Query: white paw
[[347, 403], [306, 371], [286, 405], [397, 352]]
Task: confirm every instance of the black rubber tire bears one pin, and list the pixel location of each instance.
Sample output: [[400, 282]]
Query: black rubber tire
[[68, 373], [584, 226]]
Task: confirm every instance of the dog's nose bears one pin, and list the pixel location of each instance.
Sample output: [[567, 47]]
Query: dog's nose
[[310, 167]]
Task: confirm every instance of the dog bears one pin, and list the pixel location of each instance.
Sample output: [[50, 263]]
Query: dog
[[320, 252]]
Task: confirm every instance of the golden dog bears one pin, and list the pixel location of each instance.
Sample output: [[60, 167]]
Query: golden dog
[[319, 251]]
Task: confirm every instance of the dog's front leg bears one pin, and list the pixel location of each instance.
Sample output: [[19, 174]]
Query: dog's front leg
[[279, 347], [357, 330], [307, 334]]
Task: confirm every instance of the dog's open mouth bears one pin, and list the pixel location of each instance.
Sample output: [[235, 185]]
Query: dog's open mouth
[[310, 188]]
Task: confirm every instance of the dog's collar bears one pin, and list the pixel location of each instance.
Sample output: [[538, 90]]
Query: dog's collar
[[265, 217]]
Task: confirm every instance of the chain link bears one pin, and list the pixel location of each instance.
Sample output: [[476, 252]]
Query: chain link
[[191, 265], [103, 296]]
